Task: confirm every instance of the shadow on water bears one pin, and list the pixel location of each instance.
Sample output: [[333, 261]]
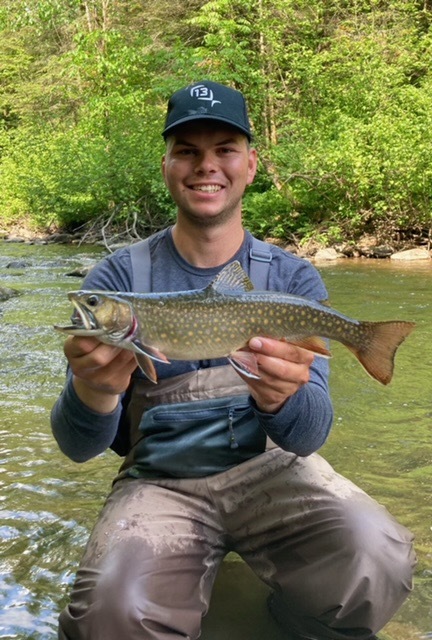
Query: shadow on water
[[381, 440]]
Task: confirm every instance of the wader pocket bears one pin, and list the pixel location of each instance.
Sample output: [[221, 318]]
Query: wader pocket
[[198, 438]]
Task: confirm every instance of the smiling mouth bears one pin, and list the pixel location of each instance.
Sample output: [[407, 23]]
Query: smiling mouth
[[206, 188]]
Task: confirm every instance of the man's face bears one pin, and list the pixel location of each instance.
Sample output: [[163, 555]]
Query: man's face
[[206, 169]]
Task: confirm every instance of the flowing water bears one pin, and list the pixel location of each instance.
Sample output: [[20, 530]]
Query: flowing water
[[381, 439]]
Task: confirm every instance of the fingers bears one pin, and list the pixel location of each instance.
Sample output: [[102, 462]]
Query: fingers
[[281, 349], [284, 368], [282, 363], [98, 369], [75, 346], [88, 354], [89, 351]]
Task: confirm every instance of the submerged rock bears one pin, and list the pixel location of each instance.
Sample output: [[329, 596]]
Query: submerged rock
[[18, 264], [80, 272], [14, 239], [7, 292], [60, 238]]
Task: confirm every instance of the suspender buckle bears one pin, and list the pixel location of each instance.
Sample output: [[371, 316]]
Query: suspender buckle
[[260, 256]]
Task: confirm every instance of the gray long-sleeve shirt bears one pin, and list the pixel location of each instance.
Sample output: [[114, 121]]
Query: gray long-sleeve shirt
[[300, 426]]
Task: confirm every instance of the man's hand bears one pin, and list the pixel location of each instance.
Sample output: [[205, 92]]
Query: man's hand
[[283, 367], [101, 372]]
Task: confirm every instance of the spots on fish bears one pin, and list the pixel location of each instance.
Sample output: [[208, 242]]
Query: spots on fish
[[213, 322]]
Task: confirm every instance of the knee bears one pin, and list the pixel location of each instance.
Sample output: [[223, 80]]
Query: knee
[[362, 573], [101, 602], [376, 572], [366, 557], [379, 546], [129, 596], [125, 593], [113, 593]]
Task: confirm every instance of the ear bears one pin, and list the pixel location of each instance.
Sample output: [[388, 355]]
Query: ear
[[252, 165], [163, 167]]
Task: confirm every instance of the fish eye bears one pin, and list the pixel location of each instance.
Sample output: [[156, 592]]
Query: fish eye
[[93, 301]]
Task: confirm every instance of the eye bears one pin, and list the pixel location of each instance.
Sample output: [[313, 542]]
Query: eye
[[93, 301]]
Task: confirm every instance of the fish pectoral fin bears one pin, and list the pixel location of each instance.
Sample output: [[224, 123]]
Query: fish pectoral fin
[[245, 362], [149, 352], [314, 344], [144, 356], [146, 366]]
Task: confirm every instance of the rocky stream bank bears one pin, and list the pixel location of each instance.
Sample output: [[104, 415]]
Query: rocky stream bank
[[367, 247]]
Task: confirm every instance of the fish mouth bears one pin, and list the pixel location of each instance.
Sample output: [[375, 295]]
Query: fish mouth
[[83, 322], [83, 318]]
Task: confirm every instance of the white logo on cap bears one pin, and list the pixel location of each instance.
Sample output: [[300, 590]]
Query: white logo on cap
[[201, 92]]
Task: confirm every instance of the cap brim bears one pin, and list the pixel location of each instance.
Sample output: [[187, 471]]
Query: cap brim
[[194, 118]]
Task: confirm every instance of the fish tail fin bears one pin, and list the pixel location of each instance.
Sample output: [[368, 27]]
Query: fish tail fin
[[378, 352]]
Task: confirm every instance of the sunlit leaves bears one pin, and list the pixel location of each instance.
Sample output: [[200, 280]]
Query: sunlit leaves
[[339, 94]]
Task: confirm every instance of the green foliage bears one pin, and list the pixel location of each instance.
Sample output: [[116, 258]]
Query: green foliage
[[340, 97], [268, 213], [71, 176]]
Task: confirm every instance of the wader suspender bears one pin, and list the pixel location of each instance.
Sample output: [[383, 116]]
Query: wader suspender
[[260, 259]]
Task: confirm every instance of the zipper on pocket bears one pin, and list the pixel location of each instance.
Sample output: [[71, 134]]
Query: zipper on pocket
[[233, 441]]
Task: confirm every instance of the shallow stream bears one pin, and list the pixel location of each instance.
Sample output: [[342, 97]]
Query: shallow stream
[[382, 440]]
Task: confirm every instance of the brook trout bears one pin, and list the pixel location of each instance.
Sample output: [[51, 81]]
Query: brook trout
[[218, 321]]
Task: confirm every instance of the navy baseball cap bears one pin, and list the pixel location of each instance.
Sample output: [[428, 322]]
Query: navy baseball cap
[[207, 100]]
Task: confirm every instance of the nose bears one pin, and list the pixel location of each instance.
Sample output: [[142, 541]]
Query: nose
[[205, 163]]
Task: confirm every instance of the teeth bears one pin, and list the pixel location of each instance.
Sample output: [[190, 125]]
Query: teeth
[[208, 188], [85, 320]]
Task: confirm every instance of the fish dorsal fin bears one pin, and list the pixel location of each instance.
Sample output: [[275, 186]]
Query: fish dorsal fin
[[231, 278]]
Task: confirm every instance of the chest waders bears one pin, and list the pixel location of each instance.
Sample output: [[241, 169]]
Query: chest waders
[[198, 423]]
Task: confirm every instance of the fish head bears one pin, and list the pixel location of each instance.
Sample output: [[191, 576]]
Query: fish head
[[102, 315]]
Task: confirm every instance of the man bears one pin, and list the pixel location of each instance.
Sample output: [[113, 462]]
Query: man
[[218, 461]]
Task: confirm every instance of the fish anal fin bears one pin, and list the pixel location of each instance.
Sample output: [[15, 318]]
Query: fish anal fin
[[146, 366], [378, 352], [232, 278], [314, 344], [245, 362]]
